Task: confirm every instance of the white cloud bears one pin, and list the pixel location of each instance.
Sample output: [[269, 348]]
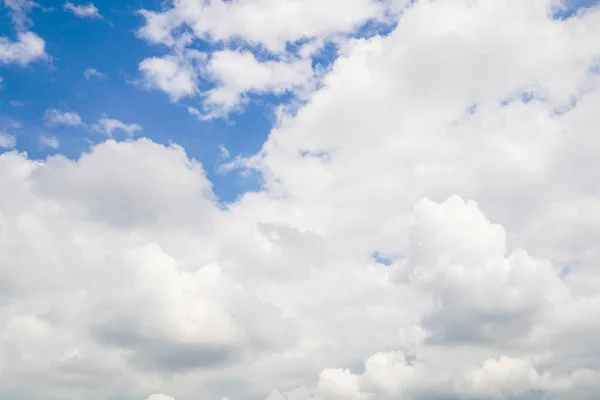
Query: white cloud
[[19, 10], [83, 11], [27, 49], [114, 264], [58, 117], [50, 141], [234, 74], [270, 25], [267, 22], [238, 73], [109, 125], [16, 103], [7, 141], [170, 74], [195, 112], [93, 73]]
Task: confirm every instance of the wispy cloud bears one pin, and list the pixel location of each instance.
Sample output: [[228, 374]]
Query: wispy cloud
[[7, 141], [49, 141], [109, 125], [83, 11], [57, 117], [93, 73]]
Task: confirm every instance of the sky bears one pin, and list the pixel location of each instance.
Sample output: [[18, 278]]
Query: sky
[[299, 199]]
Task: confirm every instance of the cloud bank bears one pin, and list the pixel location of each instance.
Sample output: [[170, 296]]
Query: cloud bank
[[459, 147]]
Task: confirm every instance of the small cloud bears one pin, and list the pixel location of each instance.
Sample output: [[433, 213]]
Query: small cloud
[[223, 153], [195, 112], [16, 103], [93, 73], [7, 141], [109, 125], [175, 76], [49, 141], [28, 48], [83, 11], [57, 117]]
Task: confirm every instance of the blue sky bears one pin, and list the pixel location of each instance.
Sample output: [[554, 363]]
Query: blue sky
[[110, 46]]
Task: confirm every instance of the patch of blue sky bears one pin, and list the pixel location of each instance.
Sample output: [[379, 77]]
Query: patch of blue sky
[[472, 109], [565, 108], [595, 68], [383, 259], [569, 267], [526, 97], [111, 47], [570, 8], [374, 28]]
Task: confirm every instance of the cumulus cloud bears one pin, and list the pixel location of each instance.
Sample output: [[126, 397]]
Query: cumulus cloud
[[110, 125], [269, 25], [479, 294], [445, 147], [28, 48], [174, 76], [239, 73], [234, 74], [83, 10], [54, 116]]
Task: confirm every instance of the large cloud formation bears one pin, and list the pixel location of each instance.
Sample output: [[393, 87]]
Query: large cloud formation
[[462, 147]]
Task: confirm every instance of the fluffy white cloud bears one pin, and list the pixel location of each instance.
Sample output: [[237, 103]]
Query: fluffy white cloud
[[83, 10], [28, 48], [478, 294], [173, 75], [233, 73], [58, 117], [267, 22], [444, 146], [109, 125], [238, 73]]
